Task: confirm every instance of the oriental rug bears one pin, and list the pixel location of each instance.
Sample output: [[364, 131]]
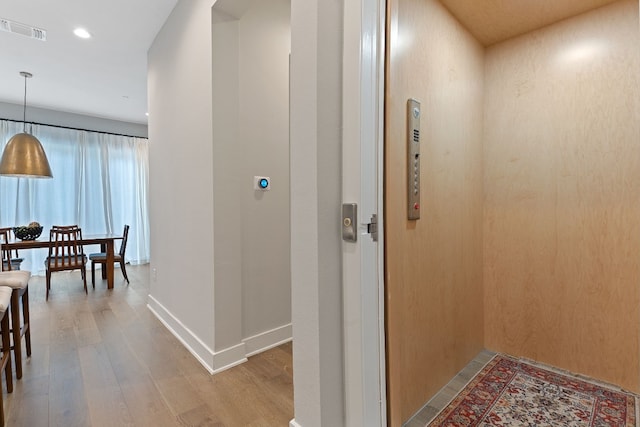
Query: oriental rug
[[513, 392]]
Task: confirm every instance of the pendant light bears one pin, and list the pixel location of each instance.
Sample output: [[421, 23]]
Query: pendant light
[[23, 155]]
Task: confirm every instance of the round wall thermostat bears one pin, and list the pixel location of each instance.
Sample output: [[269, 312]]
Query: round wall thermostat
[[262, 183]]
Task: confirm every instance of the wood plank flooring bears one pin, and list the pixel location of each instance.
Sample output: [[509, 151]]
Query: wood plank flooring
[[103, 359]]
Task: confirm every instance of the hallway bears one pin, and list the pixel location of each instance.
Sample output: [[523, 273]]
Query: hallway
[[104, 359]]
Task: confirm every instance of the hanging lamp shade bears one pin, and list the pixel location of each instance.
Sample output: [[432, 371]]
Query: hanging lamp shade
[[23, 155]]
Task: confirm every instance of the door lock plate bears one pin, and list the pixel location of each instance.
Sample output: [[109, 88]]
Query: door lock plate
[[350, 222]]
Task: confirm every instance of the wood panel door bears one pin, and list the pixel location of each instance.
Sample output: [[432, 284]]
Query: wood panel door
[[433, 267]]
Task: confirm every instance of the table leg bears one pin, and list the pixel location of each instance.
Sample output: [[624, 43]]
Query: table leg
[[109, 264], [103, 271]]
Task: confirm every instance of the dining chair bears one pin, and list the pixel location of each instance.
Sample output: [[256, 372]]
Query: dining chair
[[10, 259], [5, 360], [65, 253], [101, 258]]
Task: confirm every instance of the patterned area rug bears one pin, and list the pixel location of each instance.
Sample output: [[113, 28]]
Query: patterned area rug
[[510, 392]]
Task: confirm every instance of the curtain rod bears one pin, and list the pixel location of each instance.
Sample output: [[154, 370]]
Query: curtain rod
[[72, 128]]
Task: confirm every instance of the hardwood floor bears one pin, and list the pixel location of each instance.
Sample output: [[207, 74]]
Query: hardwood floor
[[103, 359]]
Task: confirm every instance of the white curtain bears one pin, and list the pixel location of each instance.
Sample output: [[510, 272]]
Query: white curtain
[[100, 182]]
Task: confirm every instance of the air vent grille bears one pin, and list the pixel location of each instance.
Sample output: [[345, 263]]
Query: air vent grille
[[23, 29]]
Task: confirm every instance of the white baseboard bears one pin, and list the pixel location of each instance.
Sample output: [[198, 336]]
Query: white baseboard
[[213, 361], [194, 344], [269, 339], [293, 423], [228, 358]]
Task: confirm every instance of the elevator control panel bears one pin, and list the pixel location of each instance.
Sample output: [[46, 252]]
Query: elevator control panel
[[413, 159]]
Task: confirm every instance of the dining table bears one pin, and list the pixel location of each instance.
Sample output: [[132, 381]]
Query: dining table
[[106, 242]]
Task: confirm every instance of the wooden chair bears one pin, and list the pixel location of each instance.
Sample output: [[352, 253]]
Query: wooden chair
[[65, 253], [5, 361], [18, 281], [101, 258], [10, 259]]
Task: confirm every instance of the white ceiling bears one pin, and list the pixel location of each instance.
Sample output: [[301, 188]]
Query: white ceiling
[[105, 76]]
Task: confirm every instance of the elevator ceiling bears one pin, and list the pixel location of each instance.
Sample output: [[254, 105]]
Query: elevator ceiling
[[492, 21]]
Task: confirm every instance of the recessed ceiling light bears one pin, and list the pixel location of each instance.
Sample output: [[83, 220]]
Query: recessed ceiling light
[[82, 33]]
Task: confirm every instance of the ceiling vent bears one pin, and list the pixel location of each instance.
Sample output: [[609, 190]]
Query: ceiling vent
[[23, 29]]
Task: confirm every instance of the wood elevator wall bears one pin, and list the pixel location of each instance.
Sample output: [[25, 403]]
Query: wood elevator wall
[[562, 195], [434, 264]]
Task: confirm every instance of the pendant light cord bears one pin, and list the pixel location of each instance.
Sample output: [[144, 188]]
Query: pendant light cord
[[24, 108], [26, 75]]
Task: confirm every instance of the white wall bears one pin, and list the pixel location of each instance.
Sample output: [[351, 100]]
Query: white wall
[[251, 137], [60, 118], [227, 155], [263, 135], [180, 91], [316, 269], [222, 81], [181, 176]]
